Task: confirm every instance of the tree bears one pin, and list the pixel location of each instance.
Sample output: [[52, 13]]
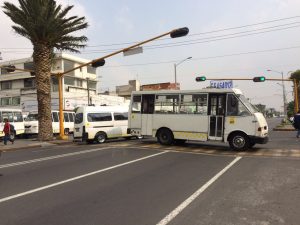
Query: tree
[[48, 28], [296, 75]]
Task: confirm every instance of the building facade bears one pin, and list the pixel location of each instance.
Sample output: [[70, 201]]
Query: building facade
[[18, 88]]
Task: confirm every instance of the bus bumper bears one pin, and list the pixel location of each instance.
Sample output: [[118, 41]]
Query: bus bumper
[[259, 140]]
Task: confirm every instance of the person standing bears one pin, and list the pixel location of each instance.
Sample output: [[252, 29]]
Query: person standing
[[6, 131], [296, 123]]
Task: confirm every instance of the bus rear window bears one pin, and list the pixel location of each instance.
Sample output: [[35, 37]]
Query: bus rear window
[[78, 118]]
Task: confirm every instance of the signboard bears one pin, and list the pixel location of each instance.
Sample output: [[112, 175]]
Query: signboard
[[221, 84], [133, 51]]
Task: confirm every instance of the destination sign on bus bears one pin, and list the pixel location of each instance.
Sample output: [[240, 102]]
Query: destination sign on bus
[[221, 84]]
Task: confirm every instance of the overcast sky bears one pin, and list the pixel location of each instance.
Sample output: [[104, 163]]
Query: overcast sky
[[227, 39]]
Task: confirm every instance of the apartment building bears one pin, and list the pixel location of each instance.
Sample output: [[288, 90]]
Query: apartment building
[[18, 89]]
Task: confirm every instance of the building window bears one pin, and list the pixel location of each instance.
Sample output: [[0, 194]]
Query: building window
[[29, 83], [91, 70], [69, 81], [5, 85], [92, 84], [79, 83], [5, 101], [15, 100], [29, 66], [68, 65], [54, 84]]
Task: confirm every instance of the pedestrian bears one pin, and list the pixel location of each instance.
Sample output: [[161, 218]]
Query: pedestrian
[[7, 132], [296, 123]]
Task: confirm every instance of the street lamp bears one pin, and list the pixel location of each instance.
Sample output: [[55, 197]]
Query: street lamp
[[175, 66], [283, 92]]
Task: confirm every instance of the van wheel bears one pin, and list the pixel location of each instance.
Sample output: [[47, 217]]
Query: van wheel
[[165, 137], [100, 137], [239, 142]]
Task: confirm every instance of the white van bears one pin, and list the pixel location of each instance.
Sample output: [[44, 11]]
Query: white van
[[98, 123], [32, 124]]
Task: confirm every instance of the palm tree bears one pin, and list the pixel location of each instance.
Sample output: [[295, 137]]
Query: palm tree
[[296, 75], [45, 24]]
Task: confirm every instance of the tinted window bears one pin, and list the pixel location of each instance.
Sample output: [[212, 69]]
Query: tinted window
[[71, 117], [78, 118], [121, 116], [55, 117], [66, 117], [98, 117]]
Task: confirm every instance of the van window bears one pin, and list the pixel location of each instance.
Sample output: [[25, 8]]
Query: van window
[[66, 117], [121, 116], [55, 117], [78, 118], [97, 117]]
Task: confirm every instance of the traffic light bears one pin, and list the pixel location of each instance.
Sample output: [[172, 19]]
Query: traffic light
[[199, 79], [259, 79], [10, 68], [98, 63]]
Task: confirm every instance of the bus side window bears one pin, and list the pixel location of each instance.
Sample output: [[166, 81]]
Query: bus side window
[[66, 117], [232, 105], [136, 104], [55, 117], [18, 117], [71, 117]]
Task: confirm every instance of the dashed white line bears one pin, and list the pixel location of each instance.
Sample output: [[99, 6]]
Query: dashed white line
[[76, 178], [189, 200]]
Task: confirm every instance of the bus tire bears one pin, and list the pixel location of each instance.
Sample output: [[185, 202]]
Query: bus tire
[[100, 137], [165, 136], [239, 141]]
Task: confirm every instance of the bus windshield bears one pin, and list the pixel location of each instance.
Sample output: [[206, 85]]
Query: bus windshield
[[247, 103], [32, 117]]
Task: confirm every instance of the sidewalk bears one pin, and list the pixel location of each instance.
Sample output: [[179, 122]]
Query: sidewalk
[[286, 127], [21, 144]]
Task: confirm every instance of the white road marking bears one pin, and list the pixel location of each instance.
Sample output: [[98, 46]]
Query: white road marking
[[189, 200], [77, 178], [51, 157]]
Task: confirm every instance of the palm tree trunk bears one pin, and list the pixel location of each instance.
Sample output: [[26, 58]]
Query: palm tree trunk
[[42, 62]]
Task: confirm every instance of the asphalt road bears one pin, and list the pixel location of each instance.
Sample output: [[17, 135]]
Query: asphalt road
[[136, 183]]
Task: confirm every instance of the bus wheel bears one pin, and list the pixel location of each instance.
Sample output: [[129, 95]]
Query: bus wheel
[[100, 137], [165, 137], [239, 141]]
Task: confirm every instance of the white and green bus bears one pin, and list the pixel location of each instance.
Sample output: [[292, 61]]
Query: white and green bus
[[210, 114], [14, 117]]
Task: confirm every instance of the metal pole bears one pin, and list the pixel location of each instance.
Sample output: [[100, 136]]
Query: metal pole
[[88, 90], [175, 74], [61, 114], [284, 97]]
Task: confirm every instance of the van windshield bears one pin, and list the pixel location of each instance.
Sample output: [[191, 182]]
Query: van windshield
[[32, 117], [78, 118]]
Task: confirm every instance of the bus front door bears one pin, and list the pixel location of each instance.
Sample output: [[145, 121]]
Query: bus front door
[[216, 113], [147, 113]]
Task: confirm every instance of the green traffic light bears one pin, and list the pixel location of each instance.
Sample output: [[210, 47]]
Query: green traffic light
[[259, 79], [199, 79]]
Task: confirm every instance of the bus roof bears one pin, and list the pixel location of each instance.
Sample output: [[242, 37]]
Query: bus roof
[[204, 90], [10, 109]]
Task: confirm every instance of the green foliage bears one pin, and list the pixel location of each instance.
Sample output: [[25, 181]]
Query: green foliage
[[290, 109], [295, 75], [44, 22]]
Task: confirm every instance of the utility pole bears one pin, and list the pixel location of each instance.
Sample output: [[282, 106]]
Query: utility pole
[[88, 89]]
